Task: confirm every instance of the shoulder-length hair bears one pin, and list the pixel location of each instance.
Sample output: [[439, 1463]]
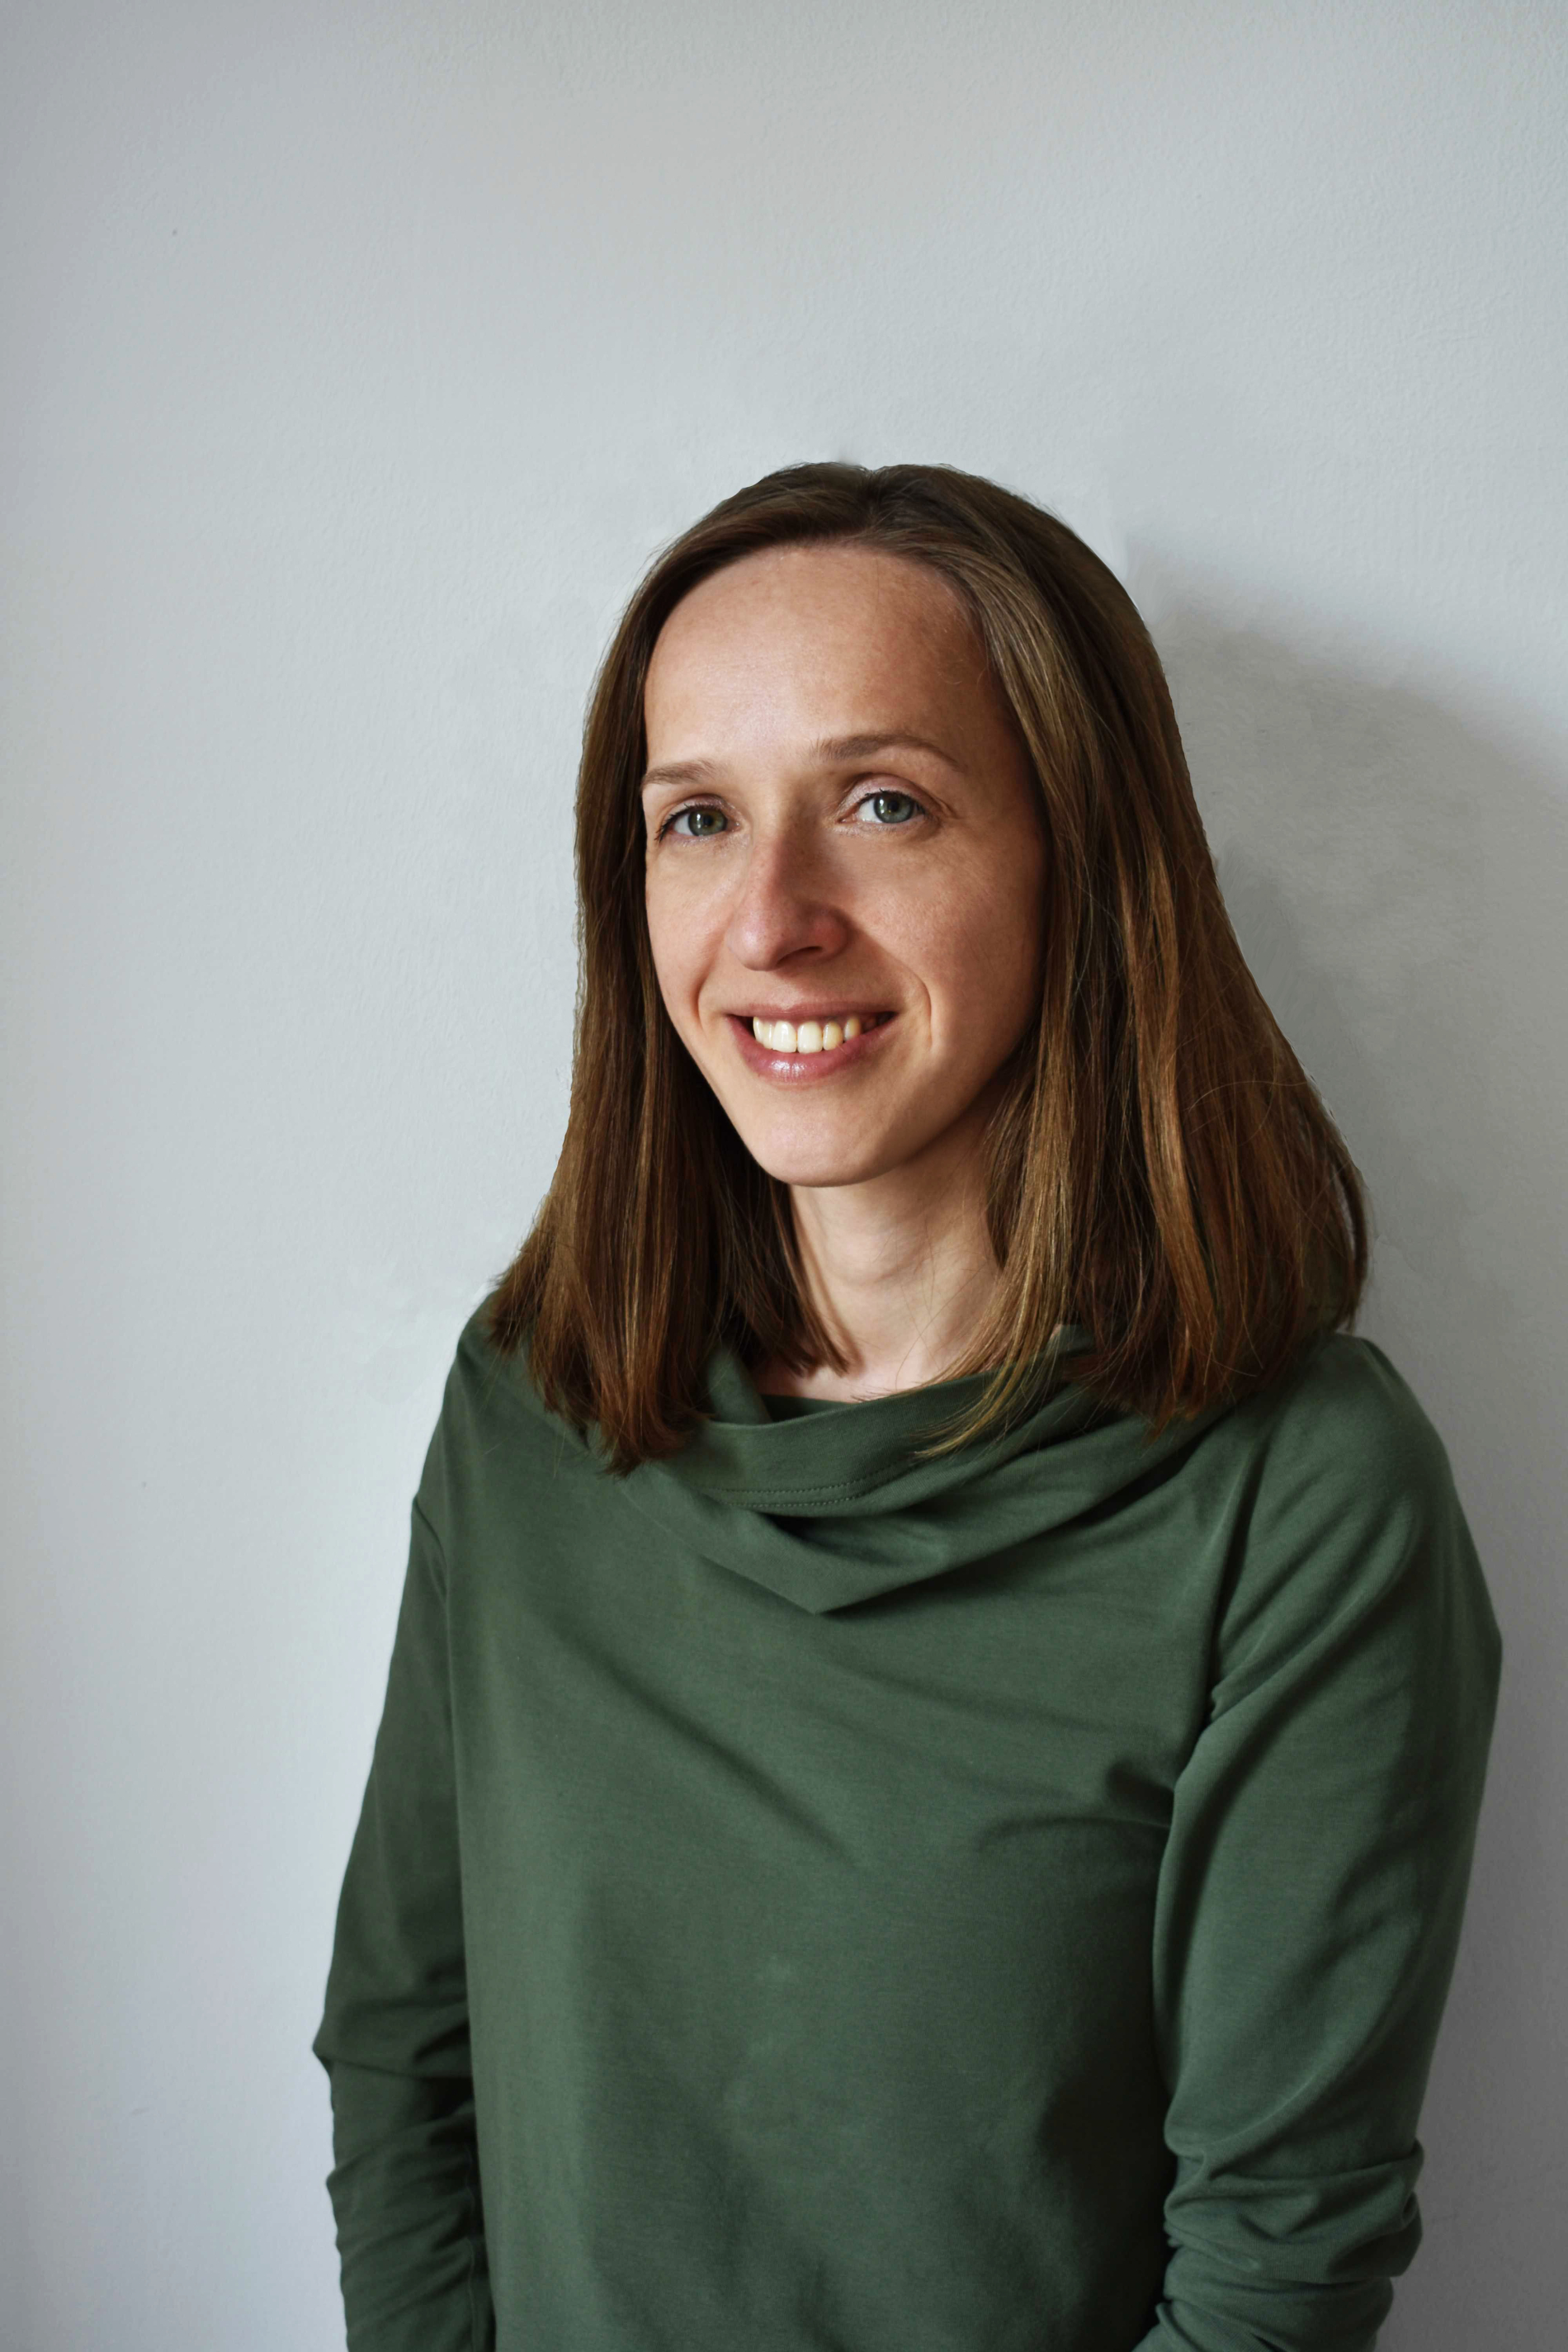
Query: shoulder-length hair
[[1160, 1170]]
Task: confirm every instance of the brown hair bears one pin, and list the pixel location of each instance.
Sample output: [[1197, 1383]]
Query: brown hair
[[1160, 1170]]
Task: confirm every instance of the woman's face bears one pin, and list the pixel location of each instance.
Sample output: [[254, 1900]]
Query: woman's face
[[842, 834]]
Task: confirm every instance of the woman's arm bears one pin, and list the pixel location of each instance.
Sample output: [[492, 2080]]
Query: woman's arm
[[1314, 1881], [395, 2036]]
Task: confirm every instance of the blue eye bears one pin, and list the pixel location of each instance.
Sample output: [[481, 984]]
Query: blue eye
[[878, 801]]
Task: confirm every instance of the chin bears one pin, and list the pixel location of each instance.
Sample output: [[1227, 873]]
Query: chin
[[817, 1165]]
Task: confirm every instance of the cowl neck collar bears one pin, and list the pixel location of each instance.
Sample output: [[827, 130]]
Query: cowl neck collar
[[828, 1508]]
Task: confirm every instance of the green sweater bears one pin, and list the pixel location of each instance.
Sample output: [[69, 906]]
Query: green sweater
[[806, 1899]]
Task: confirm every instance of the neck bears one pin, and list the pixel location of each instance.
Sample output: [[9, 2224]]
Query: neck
[[899, 1268]]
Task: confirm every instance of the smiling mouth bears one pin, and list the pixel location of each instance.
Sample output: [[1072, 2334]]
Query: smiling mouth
[[806, 1049], [814, 1036]]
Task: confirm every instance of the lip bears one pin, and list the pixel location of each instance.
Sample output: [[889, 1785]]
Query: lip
[[832, 1008], [804, 1069]]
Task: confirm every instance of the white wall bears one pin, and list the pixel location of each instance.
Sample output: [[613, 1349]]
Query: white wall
[[355, 361]]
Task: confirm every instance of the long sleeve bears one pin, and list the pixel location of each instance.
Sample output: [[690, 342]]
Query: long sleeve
[[1310, 1904], [395, 2035]]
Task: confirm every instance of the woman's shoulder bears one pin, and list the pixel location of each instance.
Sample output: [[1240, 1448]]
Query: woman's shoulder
[[1345, 1420], [1348, 1508], [484, 1369], [493, 1425]]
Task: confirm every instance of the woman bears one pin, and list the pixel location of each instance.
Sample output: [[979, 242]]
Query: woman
[[935, 1730]]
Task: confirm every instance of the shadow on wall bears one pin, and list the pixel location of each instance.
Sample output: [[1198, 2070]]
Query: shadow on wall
[[1398, 883]]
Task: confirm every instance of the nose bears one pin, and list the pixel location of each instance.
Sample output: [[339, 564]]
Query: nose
[[783, 906]]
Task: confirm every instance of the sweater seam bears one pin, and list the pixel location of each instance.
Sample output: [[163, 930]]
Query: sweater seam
[[522, 1399]]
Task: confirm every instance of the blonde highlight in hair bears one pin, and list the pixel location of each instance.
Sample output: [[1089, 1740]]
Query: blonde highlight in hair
[[1160, 1170]]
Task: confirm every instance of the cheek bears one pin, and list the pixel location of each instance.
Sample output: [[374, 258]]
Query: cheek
[[675, 941], [1015, 944], [663, 938], [977, 950], [1014, 921]]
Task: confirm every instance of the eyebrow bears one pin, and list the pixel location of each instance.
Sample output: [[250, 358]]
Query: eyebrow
[[832, 751]]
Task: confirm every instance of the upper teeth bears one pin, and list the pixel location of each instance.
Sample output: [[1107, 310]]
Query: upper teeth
[[811, 1037]]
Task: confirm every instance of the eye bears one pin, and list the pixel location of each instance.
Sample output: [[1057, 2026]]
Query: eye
[[891, 808], [705, 822]]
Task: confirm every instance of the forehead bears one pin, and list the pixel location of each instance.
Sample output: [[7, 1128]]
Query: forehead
[[836, 640]]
